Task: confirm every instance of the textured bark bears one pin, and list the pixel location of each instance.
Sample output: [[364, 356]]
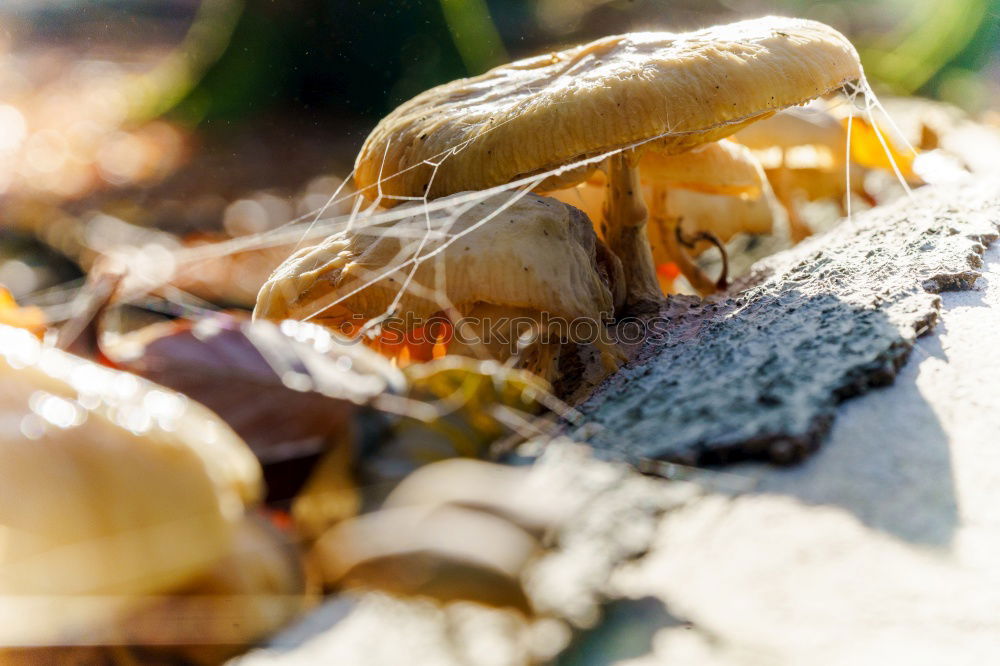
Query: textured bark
[[757, 373]]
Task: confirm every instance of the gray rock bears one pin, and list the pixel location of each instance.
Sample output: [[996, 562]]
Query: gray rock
[[758, 373], [880, 549]]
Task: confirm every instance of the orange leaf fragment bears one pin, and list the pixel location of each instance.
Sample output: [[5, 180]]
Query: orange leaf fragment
[[12, 314], [867, 149]]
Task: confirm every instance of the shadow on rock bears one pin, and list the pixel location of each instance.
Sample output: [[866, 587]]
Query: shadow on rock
[[889, 465], [761, 378]]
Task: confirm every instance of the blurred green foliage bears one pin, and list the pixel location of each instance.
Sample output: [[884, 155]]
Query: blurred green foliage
[[938, 51], [359, 58], [364, 57]]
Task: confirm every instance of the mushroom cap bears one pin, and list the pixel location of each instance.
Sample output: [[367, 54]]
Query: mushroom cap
[[541, 113], [818, 184], [814, 138], [535, 253], [445, 552]]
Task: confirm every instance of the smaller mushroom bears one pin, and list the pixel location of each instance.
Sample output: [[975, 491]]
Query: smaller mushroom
[[804, 152], [511, 278], [454, 529], [695, 222], [707, 194], [446, 552]]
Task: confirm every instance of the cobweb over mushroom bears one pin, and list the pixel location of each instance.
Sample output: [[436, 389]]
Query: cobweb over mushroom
[[793, 76]]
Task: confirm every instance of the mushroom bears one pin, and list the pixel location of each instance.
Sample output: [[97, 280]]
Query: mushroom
[[681, 190], [113, 489], [491, 272], [804, 152], [710, 220], [553, 118], [453, 529], [709, 193], [445, 552]]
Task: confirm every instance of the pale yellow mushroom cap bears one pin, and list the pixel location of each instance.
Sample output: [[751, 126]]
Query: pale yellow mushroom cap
[[814, 137], [538, 114], [536, 253]]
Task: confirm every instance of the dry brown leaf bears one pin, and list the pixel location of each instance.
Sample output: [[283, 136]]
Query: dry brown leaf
[[288, 390]]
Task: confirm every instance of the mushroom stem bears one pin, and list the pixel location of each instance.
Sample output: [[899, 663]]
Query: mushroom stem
[[670, 228], [797, 227], [625, 218]]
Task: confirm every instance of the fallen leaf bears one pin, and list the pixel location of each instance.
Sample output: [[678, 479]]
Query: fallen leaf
[[289, 390], [12, 314]]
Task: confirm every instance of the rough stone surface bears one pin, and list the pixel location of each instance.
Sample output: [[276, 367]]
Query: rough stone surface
[[880, 549], [614, 521], [758, 374]]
